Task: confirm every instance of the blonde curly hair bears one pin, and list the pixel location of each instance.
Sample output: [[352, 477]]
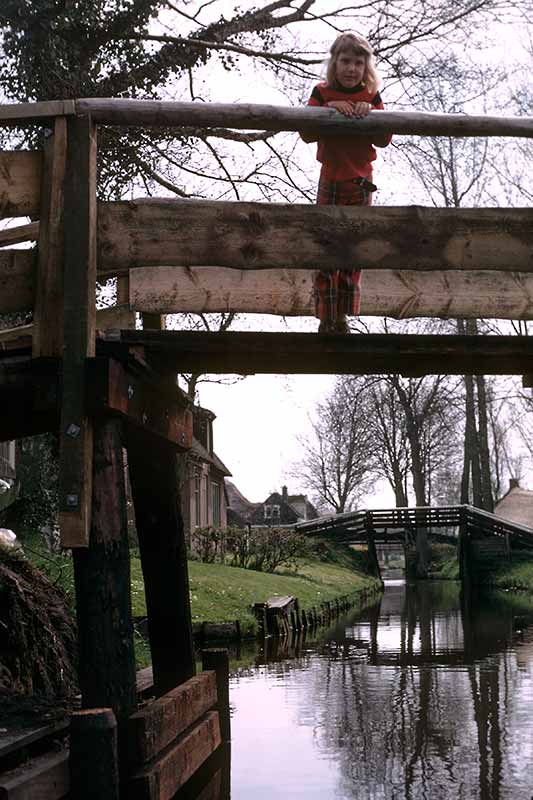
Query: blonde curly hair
[[356, 44]]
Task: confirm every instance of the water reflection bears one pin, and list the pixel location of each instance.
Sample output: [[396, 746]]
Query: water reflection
[[425, 695]]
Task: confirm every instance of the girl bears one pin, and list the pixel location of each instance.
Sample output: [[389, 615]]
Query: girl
[[351, 87]]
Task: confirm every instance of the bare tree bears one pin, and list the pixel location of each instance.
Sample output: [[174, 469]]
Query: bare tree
[[338, 459]]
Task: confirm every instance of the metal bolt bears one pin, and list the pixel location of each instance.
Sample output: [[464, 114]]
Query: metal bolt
[[131, 391], [144, 417], [73, 430], [72, 500]]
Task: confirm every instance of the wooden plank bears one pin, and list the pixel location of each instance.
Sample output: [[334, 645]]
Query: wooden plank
[[156, 499], [11, 113], [43, 778], [75, 469], [102, 581], [16, 740], [162, 780], [20, 182], [159, 723], [118, 111], [168, 232], [19, 234], [141, 401], [48, 314], [29, 393], [355, 354], [110, 318], [16, 280]]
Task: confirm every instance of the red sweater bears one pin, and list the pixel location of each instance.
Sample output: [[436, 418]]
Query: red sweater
[[344, 157]]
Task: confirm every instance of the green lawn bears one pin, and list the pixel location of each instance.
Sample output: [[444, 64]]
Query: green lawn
[[223, 594]]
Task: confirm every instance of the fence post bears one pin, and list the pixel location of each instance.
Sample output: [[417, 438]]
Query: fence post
[[93, 755], [217, 660]]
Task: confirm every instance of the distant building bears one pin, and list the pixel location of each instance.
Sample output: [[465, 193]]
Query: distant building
[[277, 509], [7, 460], [204, 498], [516, 505]]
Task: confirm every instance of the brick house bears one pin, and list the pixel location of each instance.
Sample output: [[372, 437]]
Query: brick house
[[277, 509], [203, 493]]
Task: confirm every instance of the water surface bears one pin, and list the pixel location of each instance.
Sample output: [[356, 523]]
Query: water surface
[[428, 694]]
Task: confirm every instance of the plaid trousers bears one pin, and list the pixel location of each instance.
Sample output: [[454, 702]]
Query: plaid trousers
[[338, 293]]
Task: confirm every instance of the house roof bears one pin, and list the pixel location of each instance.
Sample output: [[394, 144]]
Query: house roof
[[516, 506], [238, 502], [199, 450]]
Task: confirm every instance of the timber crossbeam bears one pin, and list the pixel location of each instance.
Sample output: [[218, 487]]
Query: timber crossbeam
[[333, 354], [146, 401]]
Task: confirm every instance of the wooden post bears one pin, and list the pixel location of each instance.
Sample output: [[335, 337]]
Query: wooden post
[[48, 304], [372, 554], [75, 470], [155, 492], [93, 755], [218, 660], [102, 578]]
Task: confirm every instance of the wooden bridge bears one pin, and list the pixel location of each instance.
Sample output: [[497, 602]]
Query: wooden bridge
[[106, 387], [482, 539]]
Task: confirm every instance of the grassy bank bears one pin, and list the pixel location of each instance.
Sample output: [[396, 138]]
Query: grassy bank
[[222, 593]]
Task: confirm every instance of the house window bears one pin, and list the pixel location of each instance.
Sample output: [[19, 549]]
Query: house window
[[197, 500], [215, 497], [272, 513], [7, 459], [207, 503]]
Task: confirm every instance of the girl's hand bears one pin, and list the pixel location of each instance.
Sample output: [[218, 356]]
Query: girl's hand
[[344, 106], [349, 109], [361, 109]]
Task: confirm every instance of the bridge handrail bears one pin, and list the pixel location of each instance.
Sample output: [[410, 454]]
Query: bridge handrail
[[429, 516], [252, 116]]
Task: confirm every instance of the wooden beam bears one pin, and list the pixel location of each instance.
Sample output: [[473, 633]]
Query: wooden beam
[[162, 779], [46, 776], [103, 585], [75, 468], [29, 391], [142, 402], [19, 234], [16, 280], [159, 523], [48, 314], [12, 113], [118, 111], [167, 232], [20, 182], [400, 294], [331, 354], [106, 319], [156, 725]]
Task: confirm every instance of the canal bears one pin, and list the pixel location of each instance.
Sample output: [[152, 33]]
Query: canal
[[427, 694]]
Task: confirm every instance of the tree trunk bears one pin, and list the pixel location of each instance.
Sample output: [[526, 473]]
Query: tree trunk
[[484, 455]]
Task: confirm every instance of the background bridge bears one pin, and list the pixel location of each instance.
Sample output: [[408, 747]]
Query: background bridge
[[483, 539]]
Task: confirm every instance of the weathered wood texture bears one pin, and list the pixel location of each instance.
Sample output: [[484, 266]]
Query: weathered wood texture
[[102, 580], [19, 234], [144, 403], [44, 778], [75, 467], [117, 111], [16, 280], [93, 755], [356, 354], [216, 661], [11, 113], [155, 492], [160, 722], [400, 294], [162, 779], [20, 182], [167, 232], [48, 304]]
